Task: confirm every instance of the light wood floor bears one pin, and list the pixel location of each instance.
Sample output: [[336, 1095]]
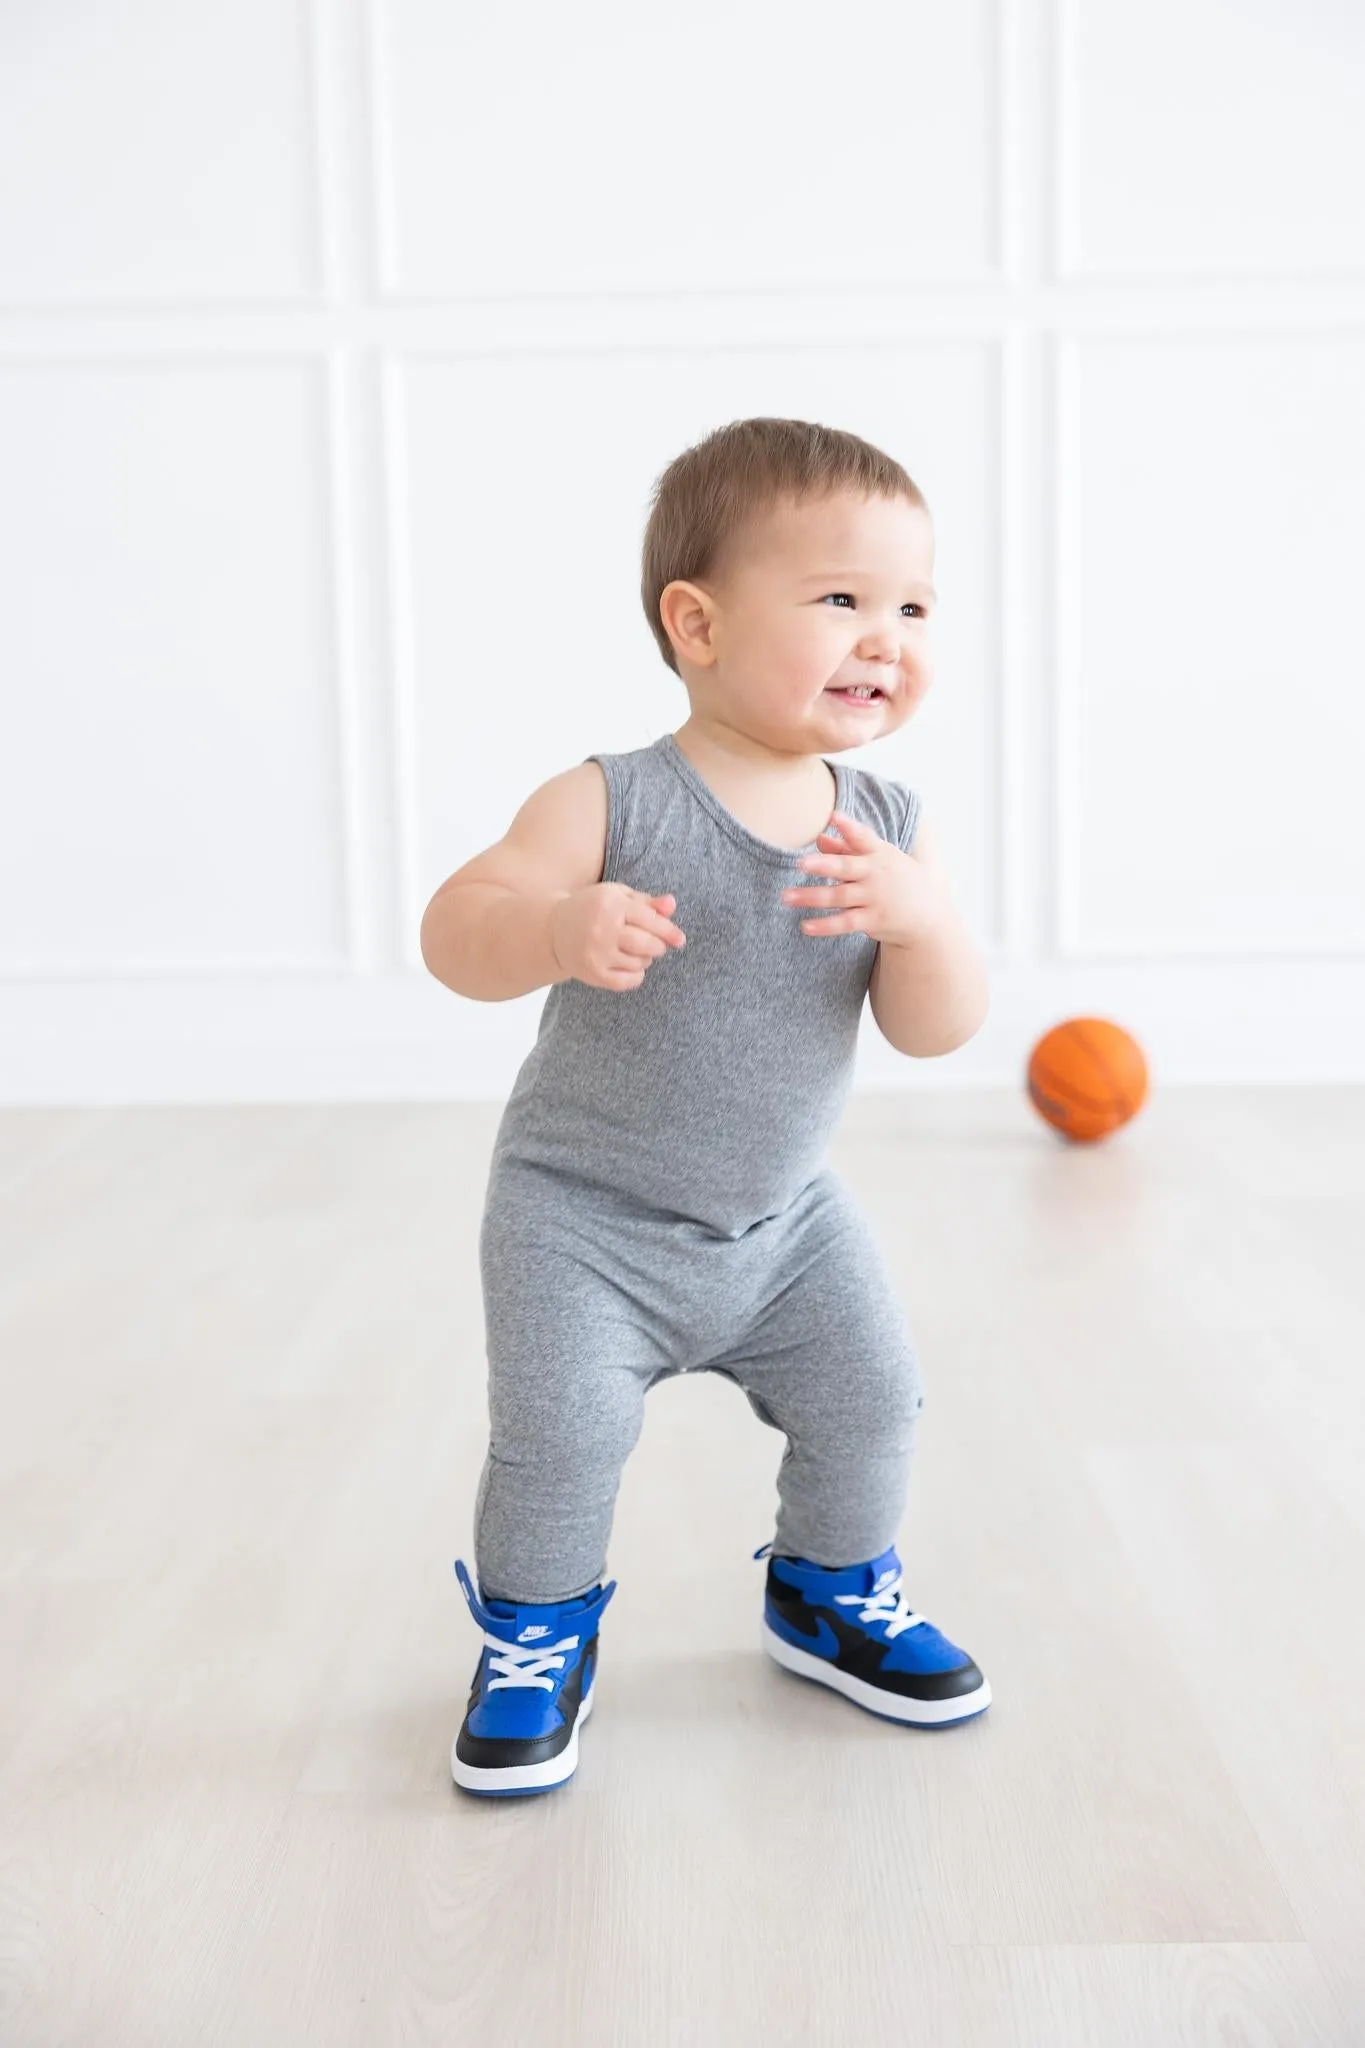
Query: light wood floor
[[243, 1419]]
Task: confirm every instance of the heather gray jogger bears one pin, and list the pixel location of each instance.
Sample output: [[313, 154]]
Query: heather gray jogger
[[659, 1202]]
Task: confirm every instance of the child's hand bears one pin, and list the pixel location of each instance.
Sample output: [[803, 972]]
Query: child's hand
[[879, 890], [609, 935]]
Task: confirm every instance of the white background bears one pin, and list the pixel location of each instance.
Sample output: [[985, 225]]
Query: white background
[[340, 346]]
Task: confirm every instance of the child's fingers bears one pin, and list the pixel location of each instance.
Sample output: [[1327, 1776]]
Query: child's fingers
[[641, 913], [636, 944]]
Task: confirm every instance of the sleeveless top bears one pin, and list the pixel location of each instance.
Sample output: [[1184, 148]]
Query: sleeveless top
[[710, 1091]]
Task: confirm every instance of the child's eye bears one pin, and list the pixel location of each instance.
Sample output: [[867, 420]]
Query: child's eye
[[917, 609]]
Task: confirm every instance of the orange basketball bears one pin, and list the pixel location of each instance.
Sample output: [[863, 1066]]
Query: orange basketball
[[1086, 1077]]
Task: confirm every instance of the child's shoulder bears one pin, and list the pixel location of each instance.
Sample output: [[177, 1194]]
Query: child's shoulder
[[889, 806], [618, 762]]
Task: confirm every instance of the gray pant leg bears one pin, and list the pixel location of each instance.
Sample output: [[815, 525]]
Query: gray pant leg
[[830, 1362], [570, 1358]]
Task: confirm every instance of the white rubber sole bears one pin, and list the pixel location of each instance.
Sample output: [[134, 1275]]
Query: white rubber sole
[[890, 1706], [556, 1770]]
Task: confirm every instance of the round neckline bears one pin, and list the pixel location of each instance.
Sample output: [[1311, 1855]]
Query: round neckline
[[767, 849]]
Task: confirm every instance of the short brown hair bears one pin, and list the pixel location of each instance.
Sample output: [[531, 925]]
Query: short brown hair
[[710, 492]]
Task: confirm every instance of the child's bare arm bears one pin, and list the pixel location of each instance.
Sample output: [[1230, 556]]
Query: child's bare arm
[[931, 996], [526, 912], [486, 931]]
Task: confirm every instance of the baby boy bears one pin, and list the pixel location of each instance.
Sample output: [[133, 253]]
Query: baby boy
[[709, 914]]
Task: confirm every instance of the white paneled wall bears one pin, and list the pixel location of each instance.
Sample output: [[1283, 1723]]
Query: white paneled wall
[[175, 802], [1210, 690], [719, 147], [340, 345]]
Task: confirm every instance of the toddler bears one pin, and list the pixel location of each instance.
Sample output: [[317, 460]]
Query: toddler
[[709, 913]]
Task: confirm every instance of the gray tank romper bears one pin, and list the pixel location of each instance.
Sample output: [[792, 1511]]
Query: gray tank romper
[[658, 1202]]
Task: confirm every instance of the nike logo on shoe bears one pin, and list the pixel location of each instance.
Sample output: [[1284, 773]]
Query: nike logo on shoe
[[532, 1635], [823, 1643], [884, 1580]]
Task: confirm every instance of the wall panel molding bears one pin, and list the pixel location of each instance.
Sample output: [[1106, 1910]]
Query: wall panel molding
[[339, 658], [1064, 178], [167, 297], [1068, 852], [1001, 40]]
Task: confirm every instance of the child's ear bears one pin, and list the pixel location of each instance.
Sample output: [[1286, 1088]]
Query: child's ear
[[686, 612]]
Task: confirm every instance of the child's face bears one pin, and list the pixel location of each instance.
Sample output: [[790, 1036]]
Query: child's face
[[832, 592]]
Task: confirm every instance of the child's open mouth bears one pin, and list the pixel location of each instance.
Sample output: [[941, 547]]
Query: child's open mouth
[[871, 695]]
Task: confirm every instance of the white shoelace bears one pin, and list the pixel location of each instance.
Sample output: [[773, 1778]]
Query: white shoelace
[[888, 1605], [518, 1666]]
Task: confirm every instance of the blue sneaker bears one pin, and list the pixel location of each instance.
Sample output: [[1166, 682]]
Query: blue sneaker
[[854, 1630], [532, 1691]]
